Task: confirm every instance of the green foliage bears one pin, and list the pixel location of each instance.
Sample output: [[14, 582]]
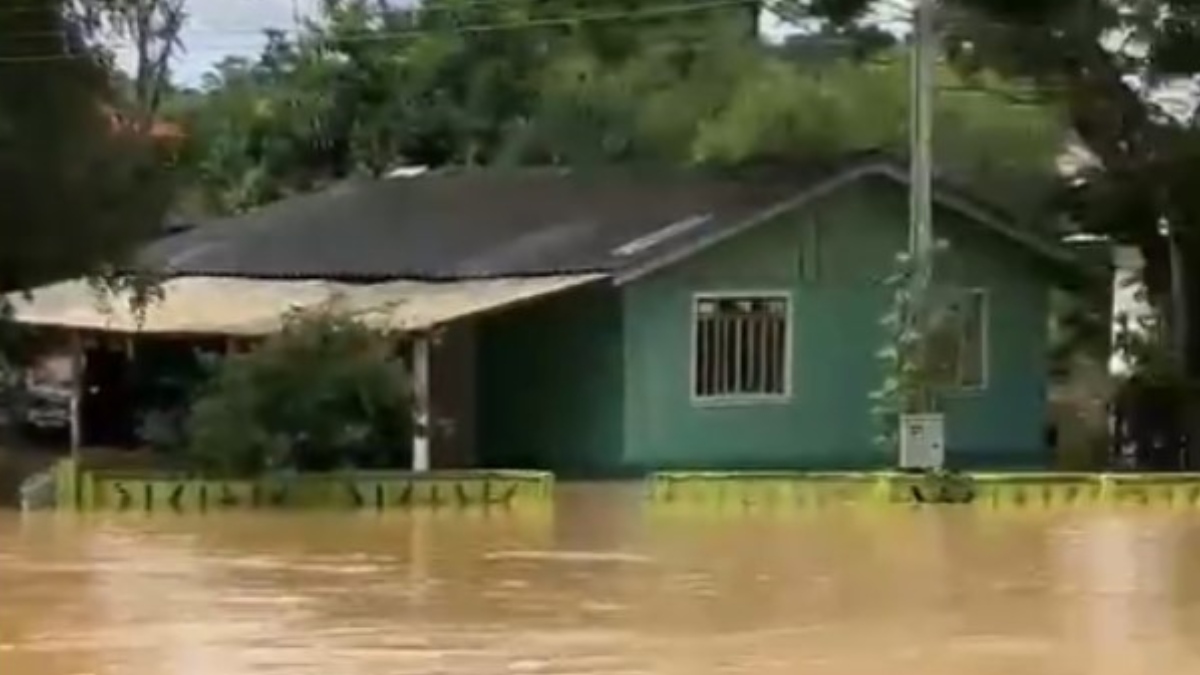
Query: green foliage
[[785, 109], [737, 102], [366, 88], [325, 393], [912, 380], [901, 389]]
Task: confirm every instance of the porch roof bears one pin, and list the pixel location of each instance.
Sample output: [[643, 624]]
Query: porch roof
[[252, 307]]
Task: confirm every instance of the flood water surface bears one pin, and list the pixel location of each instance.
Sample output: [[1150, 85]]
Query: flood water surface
[[600, 586]]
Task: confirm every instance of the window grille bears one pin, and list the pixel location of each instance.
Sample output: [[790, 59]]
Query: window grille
[[741, 347]]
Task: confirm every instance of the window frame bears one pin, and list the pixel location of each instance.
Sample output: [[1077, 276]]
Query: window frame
[[985, 344], [958, 388], [726, 400]]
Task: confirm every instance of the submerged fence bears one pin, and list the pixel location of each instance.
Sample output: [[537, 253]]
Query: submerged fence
[[148, 491], [992, 490], [82, 489]]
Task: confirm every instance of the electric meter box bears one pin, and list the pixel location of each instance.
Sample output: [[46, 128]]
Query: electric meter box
[[922, 441]]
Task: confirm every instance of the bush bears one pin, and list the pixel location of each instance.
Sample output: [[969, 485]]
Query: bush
[[326, 393]]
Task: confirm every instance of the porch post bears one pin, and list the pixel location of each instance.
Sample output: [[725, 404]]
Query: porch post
[[421, 403], [76, 417]]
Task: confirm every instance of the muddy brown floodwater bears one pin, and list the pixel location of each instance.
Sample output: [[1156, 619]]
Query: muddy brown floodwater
[[602, 587]]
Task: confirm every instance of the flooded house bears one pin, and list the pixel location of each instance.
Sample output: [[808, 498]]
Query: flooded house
[[606, 323]]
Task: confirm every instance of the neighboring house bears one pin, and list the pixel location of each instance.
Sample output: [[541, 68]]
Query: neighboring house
[[693, 321]]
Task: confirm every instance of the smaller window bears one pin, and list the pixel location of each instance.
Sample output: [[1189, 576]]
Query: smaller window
[[957, 346], [740, 347]]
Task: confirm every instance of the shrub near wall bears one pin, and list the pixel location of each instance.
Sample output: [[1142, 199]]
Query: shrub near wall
[[326, 393], [317, 416]]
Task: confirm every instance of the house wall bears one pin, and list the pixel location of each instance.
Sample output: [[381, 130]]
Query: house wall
[[550, 383], [832, 258]]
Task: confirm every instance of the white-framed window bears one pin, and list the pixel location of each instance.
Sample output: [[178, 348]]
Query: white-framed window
[[741, 346], [958, 339]]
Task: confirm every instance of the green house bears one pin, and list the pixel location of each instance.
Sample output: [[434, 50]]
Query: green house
[[694, 321], [754, 345]]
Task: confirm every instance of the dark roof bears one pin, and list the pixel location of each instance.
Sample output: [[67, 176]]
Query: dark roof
[[477, 223]]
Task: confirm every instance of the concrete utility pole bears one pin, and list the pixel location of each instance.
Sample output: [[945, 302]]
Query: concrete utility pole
[[924, 57], [922, 431]]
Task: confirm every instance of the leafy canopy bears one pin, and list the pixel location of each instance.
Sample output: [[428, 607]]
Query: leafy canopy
[[365, 89]]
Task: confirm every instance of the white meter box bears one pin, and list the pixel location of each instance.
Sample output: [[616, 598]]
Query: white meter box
[[922, 441]]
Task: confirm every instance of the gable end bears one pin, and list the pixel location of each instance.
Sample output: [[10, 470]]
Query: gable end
[[942, 196]]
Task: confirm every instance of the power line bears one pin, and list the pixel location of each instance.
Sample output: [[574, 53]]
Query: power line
[[390, 35], [419, 8], [461, 6], [384, 36], [466, 5]]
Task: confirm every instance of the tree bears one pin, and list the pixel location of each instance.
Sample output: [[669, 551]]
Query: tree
[[366, 88], [645, 106], [369, 86], [247, 141], [739, 102], [151, 28], [325, 393], [785, 109], [79, 190]]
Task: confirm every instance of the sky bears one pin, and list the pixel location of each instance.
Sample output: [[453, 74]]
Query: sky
[[217, 28]]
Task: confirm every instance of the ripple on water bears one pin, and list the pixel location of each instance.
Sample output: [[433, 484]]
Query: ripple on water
[[144, 567], [272, 600], [999, 645], [597, 607], [348, 567], [570, 556]]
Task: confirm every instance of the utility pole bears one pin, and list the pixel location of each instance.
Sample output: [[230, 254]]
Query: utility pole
[[922, 427], [921, 243]]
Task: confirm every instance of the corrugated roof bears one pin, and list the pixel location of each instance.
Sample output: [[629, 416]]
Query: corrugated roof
[[489, 223], [469, 224], [251, 307], [463, 243]]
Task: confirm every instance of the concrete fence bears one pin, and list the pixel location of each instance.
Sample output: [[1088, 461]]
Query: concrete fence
[[149, 491], [733, 490]]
